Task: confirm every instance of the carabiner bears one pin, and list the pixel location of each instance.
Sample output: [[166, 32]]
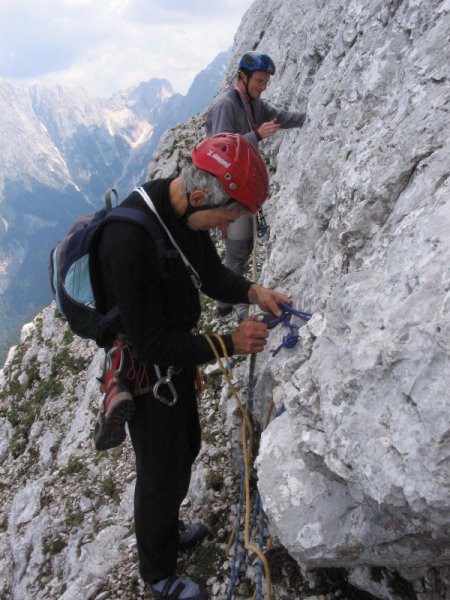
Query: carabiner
[[272, 321], [110, 357], [166, 380]]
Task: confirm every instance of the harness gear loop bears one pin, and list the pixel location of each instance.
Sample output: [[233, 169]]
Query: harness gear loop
[[166, 380]]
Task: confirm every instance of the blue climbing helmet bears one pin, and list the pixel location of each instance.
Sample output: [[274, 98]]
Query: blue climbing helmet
[[255, 61]]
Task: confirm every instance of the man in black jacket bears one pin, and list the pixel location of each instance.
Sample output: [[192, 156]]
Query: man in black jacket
[[159, 307]]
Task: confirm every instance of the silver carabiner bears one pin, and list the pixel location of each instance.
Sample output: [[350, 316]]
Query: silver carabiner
[[166, 380], [109, 359]]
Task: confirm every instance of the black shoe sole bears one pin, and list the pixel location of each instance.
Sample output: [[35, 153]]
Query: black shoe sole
[[223, 312], [196, 539], [203, 595], [110, 431]]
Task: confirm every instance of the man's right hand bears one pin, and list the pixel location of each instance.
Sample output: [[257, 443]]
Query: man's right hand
[[250, 337], [268, 128]]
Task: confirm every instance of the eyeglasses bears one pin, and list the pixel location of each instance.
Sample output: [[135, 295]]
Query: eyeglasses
[[233, 204], [227, 204], [262, 82]]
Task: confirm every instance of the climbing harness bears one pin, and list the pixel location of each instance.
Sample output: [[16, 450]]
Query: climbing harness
[[121, 365]]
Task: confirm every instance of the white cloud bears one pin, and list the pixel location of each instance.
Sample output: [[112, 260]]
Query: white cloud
[[107, 45]]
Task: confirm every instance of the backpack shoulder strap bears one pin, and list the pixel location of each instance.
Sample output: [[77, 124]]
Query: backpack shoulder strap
[[195, 277], [139, 217], [147, 221]]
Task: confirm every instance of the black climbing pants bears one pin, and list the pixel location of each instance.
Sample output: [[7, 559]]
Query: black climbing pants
[[166, 441]]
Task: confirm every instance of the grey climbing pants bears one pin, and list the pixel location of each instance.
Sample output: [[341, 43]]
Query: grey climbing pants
[[238, 247]]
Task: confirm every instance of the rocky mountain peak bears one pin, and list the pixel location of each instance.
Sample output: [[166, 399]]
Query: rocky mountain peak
[[61, 150]]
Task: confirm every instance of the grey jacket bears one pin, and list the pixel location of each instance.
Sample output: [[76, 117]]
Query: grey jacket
[[227, 114]]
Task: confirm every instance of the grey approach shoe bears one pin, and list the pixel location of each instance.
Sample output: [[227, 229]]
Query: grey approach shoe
[[191, 534], [177, 588]]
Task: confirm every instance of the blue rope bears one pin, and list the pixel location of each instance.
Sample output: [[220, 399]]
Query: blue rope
[[237, 565], [250, 391], [289, 341], [291, 337]]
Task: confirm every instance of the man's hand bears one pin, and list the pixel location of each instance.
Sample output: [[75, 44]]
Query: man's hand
[[268, 128], [267, 299], [250, 337]]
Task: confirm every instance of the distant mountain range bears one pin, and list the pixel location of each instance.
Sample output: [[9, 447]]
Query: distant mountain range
[[61, 150]]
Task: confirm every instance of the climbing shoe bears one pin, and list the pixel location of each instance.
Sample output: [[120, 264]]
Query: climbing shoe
[[116, 409], [177, 588], [191, 534]]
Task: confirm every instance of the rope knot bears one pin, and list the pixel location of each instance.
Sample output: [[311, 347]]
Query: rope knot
[[291, 337]]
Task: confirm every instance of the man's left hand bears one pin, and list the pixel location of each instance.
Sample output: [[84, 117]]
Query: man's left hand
[[267, 299]]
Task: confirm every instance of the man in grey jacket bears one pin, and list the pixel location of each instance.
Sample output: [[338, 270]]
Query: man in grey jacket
[[240, 110]]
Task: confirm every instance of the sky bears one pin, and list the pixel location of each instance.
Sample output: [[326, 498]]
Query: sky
[[110, 45]]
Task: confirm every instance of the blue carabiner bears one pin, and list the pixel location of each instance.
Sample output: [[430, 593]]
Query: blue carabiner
[[298, 313]]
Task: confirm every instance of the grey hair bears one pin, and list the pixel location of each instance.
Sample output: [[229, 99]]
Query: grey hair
[[197, 179]]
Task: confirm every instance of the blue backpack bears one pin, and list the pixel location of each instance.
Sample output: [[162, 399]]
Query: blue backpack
[[70, 269]]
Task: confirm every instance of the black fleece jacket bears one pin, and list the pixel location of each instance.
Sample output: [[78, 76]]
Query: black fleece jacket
[[158, 304]]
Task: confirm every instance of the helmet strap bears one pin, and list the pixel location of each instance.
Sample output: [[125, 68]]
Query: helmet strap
[[191, 209], [245, 82]]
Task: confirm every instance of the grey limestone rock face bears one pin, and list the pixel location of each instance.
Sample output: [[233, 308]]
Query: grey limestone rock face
[[356, 471]]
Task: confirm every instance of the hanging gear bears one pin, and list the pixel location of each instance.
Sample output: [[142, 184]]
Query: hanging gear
[[261, 224], [117, 405], [238, 165]]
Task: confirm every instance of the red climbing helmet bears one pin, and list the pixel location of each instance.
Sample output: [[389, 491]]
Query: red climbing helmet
[[238, 165]]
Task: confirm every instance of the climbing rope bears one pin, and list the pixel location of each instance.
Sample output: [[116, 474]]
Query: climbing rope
[[247, 447], [291, 337], [244, 505]]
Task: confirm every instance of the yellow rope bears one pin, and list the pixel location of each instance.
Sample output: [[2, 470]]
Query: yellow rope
[[247, 446], [247, 443]]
